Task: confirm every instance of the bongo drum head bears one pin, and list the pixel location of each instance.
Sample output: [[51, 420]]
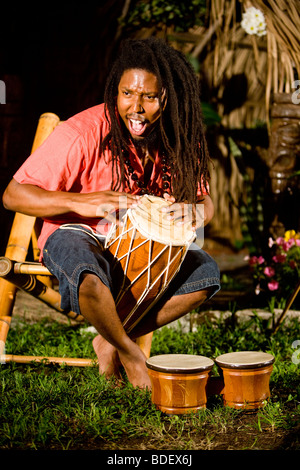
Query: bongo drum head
[[152, 223], [179, 363], [245, 360]]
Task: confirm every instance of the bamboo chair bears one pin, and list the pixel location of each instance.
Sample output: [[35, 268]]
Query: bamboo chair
[[32, 277]]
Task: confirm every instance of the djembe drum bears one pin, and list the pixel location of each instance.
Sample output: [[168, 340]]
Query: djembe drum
[[246, 376], [147, 252], [179, 382]]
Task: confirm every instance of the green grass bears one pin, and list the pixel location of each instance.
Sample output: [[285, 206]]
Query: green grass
[[46, 406]]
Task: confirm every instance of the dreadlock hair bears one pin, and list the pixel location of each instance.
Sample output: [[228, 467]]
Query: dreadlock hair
[[181, 123]]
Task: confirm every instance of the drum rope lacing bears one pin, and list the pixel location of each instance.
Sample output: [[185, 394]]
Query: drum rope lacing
[[132, 231]]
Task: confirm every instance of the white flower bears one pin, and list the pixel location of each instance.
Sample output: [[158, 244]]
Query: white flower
[[271, 242], [253, 22]]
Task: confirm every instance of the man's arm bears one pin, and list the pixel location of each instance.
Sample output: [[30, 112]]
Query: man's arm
[[32, 200]]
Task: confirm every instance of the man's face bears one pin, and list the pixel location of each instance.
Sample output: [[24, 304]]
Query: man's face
[[138, 102]]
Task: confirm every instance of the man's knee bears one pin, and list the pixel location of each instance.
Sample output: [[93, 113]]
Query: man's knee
[[201, 296], [90, 285]]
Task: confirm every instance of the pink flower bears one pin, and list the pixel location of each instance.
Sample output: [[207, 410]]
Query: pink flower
[[297, 241], [256, 260], [280, 241], [279, 258], [273, 285], [287, 245], [253, 260], [257, 289], [269, 271], [292, 264]]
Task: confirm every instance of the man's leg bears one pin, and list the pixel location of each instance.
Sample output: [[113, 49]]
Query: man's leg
[[98, 307], [159, 316], [75, 258], [173, 309]]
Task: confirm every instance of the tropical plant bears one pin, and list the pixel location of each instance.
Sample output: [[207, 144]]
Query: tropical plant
[[277, 275], [165, 13]]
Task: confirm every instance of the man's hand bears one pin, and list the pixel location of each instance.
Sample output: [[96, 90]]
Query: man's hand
[[183, 213]]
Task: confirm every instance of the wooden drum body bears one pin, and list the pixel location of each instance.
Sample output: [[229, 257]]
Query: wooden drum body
[[147, 252], [179, 382], [246, 377]]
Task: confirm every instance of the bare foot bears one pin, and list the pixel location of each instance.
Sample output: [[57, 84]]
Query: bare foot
[[108, 358], [110, 361], [135, 368]]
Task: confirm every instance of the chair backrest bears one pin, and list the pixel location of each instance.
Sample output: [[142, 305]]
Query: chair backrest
[[24, 228]]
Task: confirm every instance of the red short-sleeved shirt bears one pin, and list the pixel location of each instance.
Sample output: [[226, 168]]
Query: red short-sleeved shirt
[[70, 159]]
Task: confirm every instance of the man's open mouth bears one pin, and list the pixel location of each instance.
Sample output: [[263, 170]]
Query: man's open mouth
[[136, 126]]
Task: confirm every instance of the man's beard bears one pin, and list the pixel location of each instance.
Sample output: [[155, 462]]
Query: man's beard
[[151, 141]]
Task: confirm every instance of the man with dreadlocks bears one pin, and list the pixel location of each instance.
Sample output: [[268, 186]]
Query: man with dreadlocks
[[147, 137]]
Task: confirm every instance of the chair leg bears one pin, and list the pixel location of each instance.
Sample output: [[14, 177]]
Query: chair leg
[[144, 343], [4, 328], [34, 286], [23, 225]]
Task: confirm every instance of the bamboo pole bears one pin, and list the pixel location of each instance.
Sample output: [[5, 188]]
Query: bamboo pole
[[46, 124], [144, 343], [31, 268], [17, 248], [69, 361]]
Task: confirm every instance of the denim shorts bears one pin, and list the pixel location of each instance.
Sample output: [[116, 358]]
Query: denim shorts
[[71, 251]]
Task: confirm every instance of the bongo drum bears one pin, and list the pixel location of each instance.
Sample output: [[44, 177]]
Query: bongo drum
[[179, 382], [147, 252], [246, 377]]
